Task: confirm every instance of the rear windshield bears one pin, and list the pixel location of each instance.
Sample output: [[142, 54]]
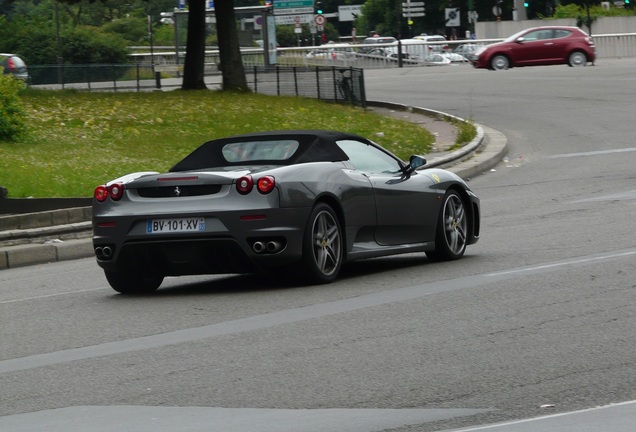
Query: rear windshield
[[259, 150]]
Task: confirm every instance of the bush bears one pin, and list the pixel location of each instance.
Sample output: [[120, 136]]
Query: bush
[[89, 45], [13, 116], [133, 30]]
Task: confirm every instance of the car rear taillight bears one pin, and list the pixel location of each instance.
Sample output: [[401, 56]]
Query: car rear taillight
[[101, 193], [11, 64], [265, 184], [116, 191], [244, 185]]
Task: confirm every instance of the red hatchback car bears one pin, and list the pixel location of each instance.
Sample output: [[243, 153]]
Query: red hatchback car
[[547, 45]]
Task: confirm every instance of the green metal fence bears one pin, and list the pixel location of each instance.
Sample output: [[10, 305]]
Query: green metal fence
[[330, 83]]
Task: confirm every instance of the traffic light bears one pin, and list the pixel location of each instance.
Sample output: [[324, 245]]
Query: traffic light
[[627, 2], [319, 8], [526, 4]]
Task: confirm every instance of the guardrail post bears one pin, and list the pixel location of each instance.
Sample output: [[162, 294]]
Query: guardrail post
[[363, 93], [138, 83], [114, 78]]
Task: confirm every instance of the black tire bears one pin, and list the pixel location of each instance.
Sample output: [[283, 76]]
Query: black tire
[[132, 283], [499, 62], [323, 246], [452, 229], [577, 58]]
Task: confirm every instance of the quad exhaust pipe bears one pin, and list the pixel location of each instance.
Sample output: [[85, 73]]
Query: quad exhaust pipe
[[258, 247], [103, 252], [273, 246], [270, 247]]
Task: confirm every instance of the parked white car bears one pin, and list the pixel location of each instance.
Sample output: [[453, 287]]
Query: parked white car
[[414, 48], [437, 42]]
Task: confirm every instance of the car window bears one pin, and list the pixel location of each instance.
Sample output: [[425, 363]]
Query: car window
[[259, 150], [369, 159], [562, 33], [538, 35]]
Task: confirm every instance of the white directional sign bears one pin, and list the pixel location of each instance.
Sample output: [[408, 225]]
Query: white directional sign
[[293, 19], [413, 9], [349, 13]]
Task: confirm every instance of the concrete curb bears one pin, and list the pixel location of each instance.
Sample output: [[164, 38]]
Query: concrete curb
[[477, 157], [483, 153]]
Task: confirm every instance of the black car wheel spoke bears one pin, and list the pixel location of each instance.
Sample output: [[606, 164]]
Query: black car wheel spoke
[[326, 243], [455, 224]]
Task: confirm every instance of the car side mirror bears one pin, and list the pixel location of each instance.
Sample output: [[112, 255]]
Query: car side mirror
[[415, 162], [521, 39]]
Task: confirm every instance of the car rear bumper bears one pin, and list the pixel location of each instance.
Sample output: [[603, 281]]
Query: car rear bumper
[[229, 244]]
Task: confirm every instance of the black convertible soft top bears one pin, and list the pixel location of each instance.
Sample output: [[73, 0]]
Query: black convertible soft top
[[314, 146]]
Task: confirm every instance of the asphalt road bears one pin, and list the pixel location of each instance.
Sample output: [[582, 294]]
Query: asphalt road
[[532, 330]]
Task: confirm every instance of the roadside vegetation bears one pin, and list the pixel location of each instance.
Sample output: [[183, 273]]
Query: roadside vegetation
[[75, 141]]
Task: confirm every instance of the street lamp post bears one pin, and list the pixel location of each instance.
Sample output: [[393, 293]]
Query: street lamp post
[[59, 44]]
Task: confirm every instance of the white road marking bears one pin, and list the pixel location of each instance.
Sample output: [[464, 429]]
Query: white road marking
[[571, 425], [289, 316], [592, 153]]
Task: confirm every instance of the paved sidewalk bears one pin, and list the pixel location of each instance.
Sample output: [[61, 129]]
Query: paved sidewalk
[[65, 234]]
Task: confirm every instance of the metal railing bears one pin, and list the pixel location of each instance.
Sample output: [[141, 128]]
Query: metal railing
[[329, 83], [301, 71]]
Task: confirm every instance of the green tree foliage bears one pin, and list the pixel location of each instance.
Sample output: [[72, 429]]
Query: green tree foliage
[[84, 45], [33, 35], [378, 16], [577, 11], [164, 35], [13, 116], [79, 45], [132, 29]]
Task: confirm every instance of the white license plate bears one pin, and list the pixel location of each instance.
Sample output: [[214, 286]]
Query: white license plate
[[154, 226]]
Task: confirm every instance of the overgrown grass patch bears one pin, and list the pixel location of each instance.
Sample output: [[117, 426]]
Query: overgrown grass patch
[[78, 140]]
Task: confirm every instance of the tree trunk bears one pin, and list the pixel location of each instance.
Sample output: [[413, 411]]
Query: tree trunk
[[194, 64], [231, 66]]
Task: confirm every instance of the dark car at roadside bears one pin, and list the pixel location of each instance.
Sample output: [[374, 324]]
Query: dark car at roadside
[[13, 65], [548, 45]]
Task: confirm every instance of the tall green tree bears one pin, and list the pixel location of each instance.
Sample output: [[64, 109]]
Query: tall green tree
[[194, 64], [232, 68]]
